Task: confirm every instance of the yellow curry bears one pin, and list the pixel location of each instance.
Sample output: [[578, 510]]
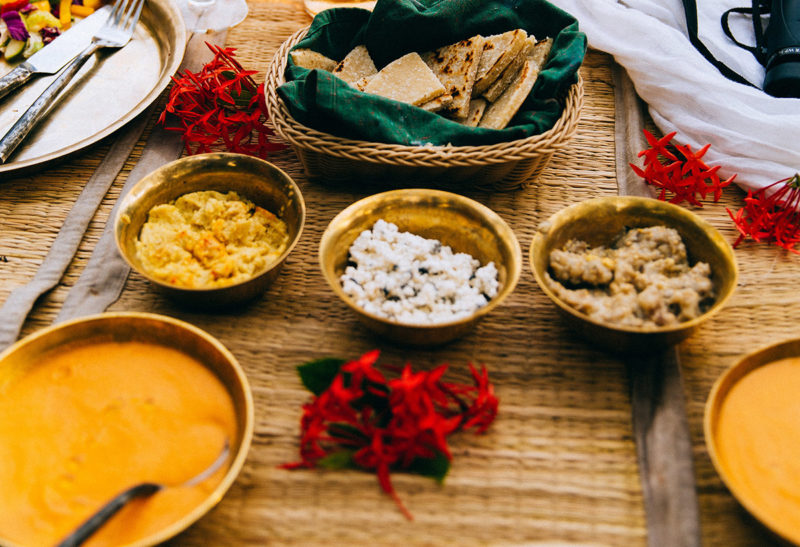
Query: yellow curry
[[91, 420], [758, 444]]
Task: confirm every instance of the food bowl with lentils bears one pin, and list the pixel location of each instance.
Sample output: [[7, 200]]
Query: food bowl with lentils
[[418, 266], [632, 273]]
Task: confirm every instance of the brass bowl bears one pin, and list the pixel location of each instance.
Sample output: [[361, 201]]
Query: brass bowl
[[252, 178], [166, 331], [598, 222], [463, 224], [719, 392]]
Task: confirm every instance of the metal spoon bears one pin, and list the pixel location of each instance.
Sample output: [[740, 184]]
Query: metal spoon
[[93, 523]]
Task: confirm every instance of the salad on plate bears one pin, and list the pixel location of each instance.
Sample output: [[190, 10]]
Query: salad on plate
[[26, 26]]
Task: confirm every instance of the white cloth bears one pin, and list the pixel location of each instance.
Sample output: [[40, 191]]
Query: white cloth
[[751, 133]]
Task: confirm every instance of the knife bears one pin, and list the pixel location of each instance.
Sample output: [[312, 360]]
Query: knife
[[50, 58]]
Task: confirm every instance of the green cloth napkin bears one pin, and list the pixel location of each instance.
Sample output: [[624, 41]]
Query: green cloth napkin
[[395, 27]]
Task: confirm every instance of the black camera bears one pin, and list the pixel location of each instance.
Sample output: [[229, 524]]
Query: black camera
[[782, 49]]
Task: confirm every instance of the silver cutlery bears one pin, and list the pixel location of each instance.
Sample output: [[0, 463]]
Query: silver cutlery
[[115, 33]]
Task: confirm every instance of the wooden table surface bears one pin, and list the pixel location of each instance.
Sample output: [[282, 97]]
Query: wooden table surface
[[559, 464]]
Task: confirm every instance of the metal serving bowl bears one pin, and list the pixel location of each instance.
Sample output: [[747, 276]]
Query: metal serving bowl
[[145, 327], [252, 178], [463, 224], [722, 387], [599, 222]]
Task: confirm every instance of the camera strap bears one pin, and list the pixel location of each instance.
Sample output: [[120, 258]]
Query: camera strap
[[759, 7], [759, 51]]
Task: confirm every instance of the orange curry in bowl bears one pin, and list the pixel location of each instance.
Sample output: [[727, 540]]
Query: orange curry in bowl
[[90, 419], [757, 437]]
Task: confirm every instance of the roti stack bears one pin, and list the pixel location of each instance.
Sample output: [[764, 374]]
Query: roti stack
[[478, 82]]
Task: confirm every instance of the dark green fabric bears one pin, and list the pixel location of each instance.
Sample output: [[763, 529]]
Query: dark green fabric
[[395, 27]]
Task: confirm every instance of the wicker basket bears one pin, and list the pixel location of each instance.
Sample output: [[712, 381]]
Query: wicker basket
[[503, 166]]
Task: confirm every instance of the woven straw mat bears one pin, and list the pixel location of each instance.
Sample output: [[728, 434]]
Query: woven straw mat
[[558, 465]]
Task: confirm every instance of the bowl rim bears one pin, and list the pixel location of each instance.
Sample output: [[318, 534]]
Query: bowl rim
[[719, 303], [711, 415], [146, 184], [512, 276], [235, 467]]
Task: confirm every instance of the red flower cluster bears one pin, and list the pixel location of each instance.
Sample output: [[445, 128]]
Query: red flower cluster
[[686, 178], [772, 217], [220, 106], [362, 420]]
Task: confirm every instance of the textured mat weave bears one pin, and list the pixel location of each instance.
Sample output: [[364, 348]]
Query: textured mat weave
[[559, 464]]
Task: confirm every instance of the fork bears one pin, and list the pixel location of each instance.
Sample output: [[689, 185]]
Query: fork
[[115, 33]]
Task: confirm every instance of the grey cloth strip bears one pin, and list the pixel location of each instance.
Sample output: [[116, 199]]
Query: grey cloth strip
[[660, 423], [103, 279], [628, 137], [22, 299]]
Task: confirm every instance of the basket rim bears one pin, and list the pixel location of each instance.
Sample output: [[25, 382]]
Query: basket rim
[[311, 139]]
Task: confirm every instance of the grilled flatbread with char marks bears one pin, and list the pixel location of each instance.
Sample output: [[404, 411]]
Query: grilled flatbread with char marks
[[438, 104], [476, 110], [456, 66], [498, 52], [508, 75], [356, 65], [500, 112]]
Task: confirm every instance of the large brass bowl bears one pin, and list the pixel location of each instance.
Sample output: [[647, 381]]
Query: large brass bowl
[[598, 222], [252, 178], [463, 224], [158, 329], [719, 392]]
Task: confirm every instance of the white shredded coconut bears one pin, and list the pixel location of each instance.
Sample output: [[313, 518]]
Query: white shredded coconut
[[409, 279]]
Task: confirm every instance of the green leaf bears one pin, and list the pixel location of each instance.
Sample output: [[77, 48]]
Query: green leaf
[[338, 460], [348, 431], [318, 375], [436, 467]]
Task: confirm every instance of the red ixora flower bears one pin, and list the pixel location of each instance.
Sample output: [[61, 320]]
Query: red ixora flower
[[771, 214], [360, 419], [220, 106], [679, 171]]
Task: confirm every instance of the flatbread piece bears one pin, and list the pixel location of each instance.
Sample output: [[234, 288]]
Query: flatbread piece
[[500, 112], [307, 58], [438, 104], [541, 51], [407, 79], [456, 66], [498, 52], [356, 65], [476, 109], [508, 75]]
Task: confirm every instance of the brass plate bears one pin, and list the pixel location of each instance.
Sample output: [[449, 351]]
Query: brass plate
[[109, 91]]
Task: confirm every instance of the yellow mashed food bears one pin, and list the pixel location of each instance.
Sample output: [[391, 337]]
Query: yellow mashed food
[[209, 239]]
